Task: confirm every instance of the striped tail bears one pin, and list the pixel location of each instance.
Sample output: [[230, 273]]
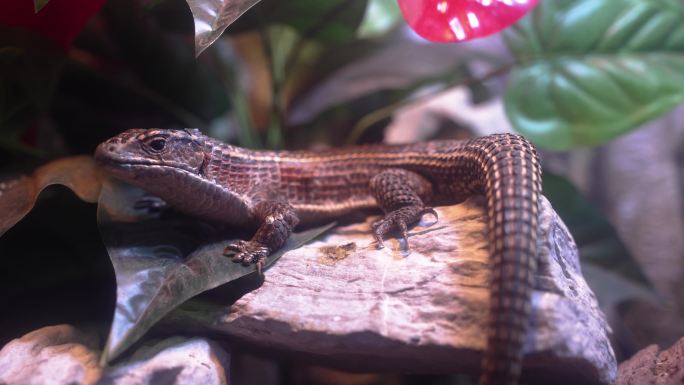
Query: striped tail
[[511, 176]]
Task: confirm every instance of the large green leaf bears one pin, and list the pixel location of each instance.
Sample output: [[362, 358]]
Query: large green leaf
[[590, 70], [162, 262]]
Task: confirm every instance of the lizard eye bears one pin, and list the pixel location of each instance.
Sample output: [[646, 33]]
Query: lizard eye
[[157, 144]]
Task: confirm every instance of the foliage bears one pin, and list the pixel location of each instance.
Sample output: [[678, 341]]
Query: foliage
[[302, 73], [590, 70], [159, 261]]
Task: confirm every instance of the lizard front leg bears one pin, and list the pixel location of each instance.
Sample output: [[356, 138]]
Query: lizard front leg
[[277, 219], [400, 194]]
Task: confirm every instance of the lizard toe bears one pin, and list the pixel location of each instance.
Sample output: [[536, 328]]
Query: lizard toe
[[249, 258], [238, 258], [248, 252], [399, 219], [234, 248], [260, 264], [401, 224], [380, 228]]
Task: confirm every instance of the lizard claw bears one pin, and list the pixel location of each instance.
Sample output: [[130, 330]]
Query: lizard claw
[[248, 252], [404, 232], [431, 211], [260, 266], [378, 238]]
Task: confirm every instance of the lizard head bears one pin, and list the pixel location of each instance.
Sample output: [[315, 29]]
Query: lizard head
[[138, 152]]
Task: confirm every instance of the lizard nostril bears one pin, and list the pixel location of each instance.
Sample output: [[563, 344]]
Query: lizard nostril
[[111, 148]]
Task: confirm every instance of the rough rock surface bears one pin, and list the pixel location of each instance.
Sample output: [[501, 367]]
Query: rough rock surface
[[651, 367], [342, 302], [50, 355], [178, 361]]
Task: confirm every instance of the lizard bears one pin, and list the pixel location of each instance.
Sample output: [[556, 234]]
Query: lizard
[[274, 191]]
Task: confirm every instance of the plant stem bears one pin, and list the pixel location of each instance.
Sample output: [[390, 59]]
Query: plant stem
[[274, 136], [231, 73], [323, 22]]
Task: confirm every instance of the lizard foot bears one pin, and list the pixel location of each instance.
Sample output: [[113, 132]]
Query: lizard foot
[[248, 252], [399, 219]]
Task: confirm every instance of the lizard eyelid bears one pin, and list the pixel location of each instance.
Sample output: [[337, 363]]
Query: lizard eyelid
[[157, 144]]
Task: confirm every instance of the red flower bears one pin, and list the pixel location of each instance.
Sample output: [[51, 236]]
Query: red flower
[[60, 20], [459, 20]]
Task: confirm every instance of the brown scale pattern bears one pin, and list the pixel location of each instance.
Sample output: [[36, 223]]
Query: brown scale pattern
[[243, 186]]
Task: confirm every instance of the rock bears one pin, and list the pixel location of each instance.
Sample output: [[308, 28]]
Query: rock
[[649, 366], [177, 361], [60, 355], [50, 355], [340, 301]]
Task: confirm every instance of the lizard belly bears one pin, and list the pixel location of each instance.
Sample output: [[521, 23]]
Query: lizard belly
[[314, 212]]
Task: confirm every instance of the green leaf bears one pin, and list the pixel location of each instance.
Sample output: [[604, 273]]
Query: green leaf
[[381, 16], [590, 70], [162, 262], [39, 4]]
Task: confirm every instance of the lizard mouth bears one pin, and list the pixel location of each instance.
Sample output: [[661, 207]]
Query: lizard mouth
[[108, 158], [109, 162]]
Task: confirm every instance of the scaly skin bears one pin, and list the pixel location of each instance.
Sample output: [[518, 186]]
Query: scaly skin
[[274, 191]]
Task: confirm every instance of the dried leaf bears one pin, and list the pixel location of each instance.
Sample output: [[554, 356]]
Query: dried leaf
[[212, 17], [17, 196]]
